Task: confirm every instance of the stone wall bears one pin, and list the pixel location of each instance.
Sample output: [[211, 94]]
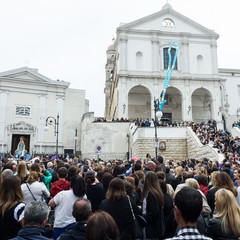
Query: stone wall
[[105, 140], [120, 140], [174, 139], [175, 148]]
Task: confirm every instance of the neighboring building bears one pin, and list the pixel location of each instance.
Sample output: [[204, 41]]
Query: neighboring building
[[27, 99], [136, 67]]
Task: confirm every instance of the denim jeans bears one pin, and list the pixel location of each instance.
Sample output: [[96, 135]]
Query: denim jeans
[[58, 231]]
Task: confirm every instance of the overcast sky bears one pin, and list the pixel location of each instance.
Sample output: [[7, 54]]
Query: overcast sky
[[68, 39]]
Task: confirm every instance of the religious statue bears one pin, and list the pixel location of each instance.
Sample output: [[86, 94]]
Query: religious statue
[[20, 151]]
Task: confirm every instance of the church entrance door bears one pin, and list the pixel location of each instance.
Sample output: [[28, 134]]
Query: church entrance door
[[16, 139]]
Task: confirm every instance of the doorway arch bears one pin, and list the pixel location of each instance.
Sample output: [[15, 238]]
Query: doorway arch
[[202, 108], [172, 109], [139, 102]]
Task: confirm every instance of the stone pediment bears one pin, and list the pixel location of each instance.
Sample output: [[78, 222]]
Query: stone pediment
[[30, 76], [26, 74], [169, 21]]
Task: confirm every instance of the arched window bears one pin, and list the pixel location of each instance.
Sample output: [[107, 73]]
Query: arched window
[[199, 63], [139, 60], [168, 23], [166, 58]]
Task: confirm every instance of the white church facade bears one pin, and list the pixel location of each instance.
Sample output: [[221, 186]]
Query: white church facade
[[136, 67], [137, 62], [27, 100]]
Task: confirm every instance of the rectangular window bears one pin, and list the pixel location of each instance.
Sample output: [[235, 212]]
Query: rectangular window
[[166, 58], [22, 111]]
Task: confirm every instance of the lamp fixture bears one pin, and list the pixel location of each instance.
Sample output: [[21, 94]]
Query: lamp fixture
[[55, 122], [219, 110], [159, 114], [124, 107], [238, 111]]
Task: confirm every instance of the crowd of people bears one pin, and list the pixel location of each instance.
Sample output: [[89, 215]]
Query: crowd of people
[[236, 124], [220, 139], [142, 122], [92, 199], [70, 198]]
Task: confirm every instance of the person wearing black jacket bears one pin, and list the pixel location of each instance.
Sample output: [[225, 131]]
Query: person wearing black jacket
[[35, 219], [117, 205], [81, 211], [152, 207]]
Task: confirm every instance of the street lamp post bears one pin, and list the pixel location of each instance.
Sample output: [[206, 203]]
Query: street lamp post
[[53, 121], [157, 114], [75, 139]]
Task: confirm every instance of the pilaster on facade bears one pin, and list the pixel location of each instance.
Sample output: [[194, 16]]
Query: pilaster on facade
[[214, 57], [155, 54], [123, 99], [41, 120], [187, 107], [3, 108], [185, 55], [123, 50]]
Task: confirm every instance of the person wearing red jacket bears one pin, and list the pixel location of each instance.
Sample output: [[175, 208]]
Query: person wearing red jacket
[[61, 184]]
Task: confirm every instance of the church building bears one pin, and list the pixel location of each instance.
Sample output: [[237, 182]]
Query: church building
[[137, 63], [38, 114]]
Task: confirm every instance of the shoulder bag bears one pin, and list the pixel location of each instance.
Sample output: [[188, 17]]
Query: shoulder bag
[[51, 212], [137, 226], [31, 192]]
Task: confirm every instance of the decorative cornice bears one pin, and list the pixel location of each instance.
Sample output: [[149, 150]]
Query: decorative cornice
[[4, 91]]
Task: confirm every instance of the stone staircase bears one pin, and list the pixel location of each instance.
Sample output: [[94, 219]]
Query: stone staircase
[[181, 143], [197, 150]]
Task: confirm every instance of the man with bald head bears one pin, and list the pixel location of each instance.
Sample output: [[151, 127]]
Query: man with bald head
[[81, 210]]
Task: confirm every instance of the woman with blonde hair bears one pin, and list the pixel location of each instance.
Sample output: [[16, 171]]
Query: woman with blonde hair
[[33, 190], [22, 171], [178, 177], [225, 224], [191, 182]]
